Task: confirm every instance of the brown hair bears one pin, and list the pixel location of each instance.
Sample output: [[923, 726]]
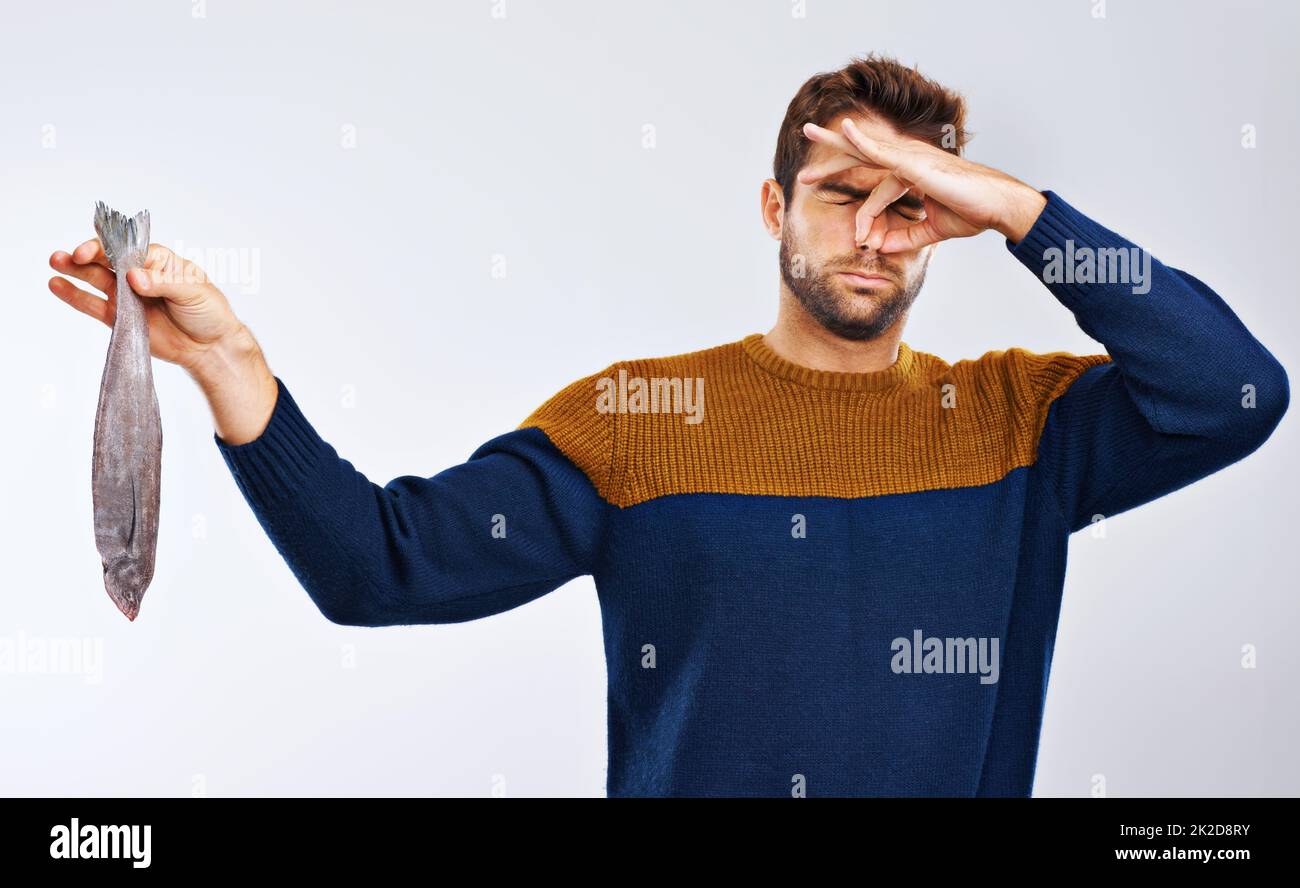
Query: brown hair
[[913, 104]]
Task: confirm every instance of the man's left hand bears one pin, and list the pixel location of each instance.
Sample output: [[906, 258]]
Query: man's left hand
[[962, 198]]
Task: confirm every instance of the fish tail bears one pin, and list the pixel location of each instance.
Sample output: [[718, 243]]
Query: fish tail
[[125, 239]]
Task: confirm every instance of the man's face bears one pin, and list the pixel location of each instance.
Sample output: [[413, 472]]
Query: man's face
[[854, 292]]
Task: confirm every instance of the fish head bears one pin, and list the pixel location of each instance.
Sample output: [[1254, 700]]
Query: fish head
[[126, 580]]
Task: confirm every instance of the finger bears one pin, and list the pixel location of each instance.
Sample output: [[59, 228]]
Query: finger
[[837, 141], [862, 225], [814, 173], [904, 162], [170, 278], [877, 233], [889, 190], [82, 301], [912, 237], [97, 276], [173, 267], [90, 251]]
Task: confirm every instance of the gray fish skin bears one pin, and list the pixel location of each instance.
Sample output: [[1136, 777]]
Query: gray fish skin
[[127, 467]]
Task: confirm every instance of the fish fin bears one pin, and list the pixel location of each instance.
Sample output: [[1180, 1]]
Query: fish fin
[[135, 512], [125, 240]]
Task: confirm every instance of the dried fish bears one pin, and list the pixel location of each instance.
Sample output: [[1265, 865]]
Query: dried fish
[[127, 467]]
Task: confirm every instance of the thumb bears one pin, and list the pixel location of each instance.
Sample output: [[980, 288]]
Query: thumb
[[168, 276]]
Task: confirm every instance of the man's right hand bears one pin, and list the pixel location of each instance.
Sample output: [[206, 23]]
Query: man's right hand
[[190, 324], [187, 315]]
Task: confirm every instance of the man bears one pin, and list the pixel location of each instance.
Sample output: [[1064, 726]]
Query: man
[[828, 563]]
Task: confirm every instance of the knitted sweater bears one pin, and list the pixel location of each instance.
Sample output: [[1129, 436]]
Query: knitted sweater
[[810, 582]]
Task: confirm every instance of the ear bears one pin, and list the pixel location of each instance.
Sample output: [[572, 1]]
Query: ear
[[772, 206]]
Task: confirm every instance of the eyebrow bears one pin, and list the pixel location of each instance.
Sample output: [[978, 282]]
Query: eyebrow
[[909, 200]]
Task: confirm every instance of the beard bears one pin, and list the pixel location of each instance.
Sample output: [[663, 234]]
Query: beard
[[830, 301]]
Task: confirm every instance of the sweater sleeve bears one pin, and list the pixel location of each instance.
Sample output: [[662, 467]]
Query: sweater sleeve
[[518, 519], [1187, 389]]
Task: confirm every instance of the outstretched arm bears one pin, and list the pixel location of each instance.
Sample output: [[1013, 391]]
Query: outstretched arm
[[516, 520]]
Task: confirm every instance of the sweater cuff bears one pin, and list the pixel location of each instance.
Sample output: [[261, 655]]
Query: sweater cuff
[[276, 463], [1057, 224]]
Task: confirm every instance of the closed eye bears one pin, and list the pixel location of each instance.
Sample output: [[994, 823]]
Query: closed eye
[[912, 215]]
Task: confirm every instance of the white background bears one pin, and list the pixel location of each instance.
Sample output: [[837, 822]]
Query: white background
[[522, 137]]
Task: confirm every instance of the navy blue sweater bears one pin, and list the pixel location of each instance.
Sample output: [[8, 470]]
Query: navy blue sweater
[[810, 582]]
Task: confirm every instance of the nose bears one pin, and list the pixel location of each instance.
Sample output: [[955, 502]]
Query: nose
[[862, 235]]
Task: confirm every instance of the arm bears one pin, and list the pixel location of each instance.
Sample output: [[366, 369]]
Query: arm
[[1188, 389], [517, 520], [1173, 404]]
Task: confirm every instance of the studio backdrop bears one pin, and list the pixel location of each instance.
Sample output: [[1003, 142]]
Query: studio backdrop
[[435, 216]]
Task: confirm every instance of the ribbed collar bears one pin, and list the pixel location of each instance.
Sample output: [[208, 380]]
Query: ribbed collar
[[901, 371]]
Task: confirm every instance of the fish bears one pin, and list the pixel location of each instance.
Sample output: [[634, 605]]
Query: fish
[[126, 470]]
